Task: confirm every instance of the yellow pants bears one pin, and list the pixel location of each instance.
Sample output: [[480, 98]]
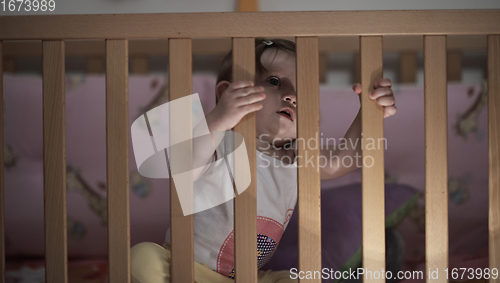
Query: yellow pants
[[150, 263]]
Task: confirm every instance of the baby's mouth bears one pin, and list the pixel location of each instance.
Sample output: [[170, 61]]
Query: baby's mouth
[[287, 112], [287, 115]]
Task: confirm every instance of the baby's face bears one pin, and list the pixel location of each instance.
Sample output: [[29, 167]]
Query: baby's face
[[279, 82]]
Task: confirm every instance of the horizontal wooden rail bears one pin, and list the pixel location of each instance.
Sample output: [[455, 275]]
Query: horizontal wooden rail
[[250, 24], [220, 46]]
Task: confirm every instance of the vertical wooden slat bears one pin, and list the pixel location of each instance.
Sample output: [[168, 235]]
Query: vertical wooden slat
[[407, 67], [140, 65], [117, 160], [245, 204], [372, 126], [95, 65], [436, 163], [357, 69], [494, 150], [248, 5], [308, 178], [454, 65], [2, 195], [54, 161], [323, 67], [182, 227]]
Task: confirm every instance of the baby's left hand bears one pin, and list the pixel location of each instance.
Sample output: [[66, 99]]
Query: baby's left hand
[[382, 93]]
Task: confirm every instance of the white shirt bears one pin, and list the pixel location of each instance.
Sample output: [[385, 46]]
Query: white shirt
[[213, 227]]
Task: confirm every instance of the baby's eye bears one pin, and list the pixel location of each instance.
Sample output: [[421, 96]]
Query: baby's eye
[[275, 81]]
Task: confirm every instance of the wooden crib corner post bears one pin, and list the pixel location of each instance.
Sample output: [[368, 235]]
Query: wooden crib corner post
[[373, 189], [117, 160], [436, 157], [494, 151], [54, 161]]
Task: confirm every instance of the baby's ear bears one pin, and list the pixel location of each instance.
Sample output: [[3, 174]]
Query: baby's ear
[[220, 88]]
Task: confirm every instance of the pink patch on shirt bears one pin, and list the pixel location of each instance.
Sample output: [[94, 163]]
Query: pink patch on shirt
[[269, 233]]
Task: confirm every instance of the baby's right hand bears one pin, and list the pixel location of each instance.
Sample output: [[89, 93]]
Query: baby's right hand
[[239, 99]]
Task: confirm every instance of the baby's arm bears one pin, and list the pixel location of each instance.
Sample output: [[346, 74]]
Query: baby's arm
[[236, 101], [351, 144], [204, 146]]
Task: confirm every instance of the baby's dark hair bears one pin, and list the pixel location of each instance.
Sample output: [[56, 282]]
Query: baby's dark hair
[[226, 67]]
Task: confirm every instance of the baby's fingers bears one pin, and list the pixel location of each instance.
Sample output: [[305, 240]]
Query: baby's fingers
[[357, 88], [250, 108], [379, 92], [239, 84], [386, 100], [389, 111], [249, 99], [383, 82], [247, 91]]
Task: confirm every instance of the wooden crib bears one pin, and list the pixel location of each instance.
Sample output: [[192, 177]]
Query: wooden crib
[[180, 29]]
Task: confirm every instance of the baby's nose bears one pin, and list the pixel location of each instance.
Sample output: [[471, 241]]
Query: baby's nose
[[292, 98]]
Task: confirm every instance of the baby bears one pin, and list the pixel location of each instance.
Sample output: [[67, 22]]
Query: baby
[[273, 98]]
